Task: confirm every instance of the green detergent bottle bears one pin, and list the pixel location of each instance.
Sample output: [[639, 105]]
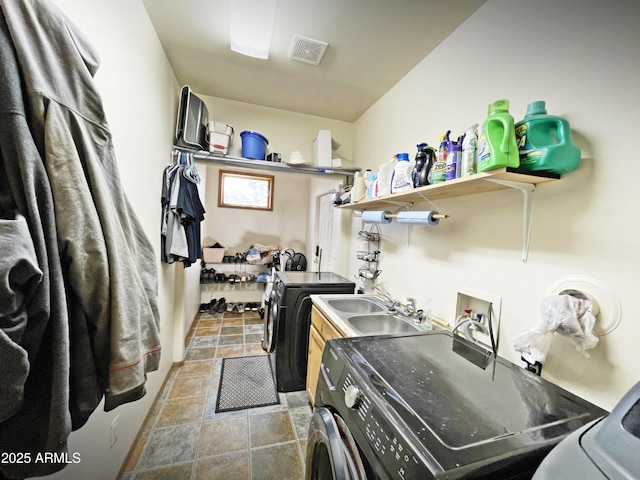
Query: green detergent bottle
[[497, 146], [544, 142]]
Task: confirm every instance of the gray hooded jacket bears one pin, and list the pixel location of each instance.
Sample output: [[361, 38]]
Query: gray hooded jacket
[[78, 298]]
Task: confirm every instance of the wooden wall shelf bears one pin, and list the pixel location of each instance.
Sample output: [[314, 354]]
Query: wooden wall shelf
[[478, 183], [497, 179]]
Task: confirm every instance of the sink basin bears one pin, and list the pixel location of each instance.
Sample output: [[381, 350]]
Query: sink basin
[[380, 324], [355, 305]]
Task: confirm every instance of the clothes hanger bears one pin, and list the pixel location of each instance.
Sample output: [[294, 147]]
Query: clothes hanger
[[190, 172]]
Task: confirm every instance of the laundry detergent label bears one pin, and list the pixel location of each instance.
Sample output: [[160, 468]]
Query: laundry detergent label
[[484, 152], [527, 153]]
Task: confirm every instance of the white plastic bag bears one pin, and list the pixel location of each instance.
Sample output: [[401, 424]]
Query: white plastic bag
[[567, 315]]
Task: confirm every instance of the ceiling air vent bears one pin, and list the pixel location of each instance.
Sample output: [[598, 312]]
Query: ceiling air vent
[[307, 50]]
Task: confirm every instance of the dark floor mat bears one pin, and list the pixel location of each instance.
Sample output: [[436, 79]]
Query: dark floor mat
[[246, 382]]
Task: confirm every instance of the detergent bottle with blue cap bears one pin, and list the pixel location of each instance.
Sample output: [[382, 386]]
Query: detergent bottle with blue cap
[[497, 145], [544, 142], [402, 181]]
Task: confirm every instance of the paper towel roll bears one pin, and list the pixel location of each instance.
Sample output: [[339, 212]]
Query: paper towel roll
[[418, 218], [376, 217]]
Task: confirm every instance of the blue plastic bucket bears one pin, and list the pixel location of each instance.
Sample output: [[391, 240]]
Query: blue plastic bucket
[[254, 145]]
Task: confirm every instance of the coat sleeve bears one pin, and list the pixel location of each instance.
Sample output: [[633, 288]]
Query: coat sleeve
[[19, 277]]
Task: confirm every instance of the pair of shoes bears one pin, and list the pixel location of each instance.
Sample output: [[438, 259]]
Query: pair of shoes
[[253, 307], [233, 278], [216, 306], [219, 278], [213, 306], [235, 307], [247, 278], [207, 274], [222, 305]]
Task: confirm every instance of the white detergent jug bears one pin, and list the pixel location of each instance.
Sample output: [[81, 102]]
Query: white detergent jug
[[402, 180], [385, 175]]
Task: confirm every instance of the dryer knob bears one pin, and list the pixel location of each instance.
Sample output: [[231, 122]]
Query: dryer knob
[[352, 396]]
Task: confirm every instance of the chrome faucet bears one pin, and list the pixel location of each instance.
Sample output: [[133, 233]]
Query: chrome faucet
[[408, 309], [391, 302], [410, 306]]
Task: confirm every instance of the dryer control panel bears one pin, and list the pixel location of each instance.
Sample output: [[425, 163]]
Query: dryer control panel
[[388, 445]]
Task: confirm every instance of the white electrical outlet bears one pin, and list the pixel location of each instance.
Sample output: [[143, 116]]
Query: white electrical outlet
[[480, 302], [114, 431]]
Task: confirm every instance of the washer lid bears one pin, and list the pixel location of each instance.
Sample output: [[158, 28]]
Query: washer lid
[[292, 278], [461, 413]]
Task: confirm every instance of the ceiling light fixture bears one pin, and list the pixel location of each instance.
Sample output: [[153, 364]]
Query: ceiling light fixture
[[251, 26]]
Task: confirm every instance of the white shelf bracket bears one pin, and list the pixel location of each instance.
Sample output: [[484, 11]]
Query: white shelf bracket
[[527, 190]]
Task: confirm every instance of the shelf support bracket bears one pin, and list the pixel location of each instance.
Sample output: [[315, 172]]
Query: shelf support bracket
[[527, 190]]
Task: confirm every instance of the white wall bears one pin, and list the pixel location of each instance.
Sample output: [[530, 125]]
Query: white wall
[[583, 63], [140, 95], [290, 224]]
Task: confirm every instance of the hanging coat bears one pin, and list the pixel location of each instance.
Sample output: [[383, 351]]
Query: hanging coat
[[92, 322]]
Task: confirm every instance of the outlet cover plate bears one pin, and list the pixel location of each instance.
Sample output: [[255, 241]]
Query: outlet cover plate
[[113, 437]]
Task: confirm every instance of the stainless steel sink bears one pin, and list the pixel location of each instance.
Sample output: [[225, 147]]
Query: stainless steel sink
[[367, 315], [355, 305], [380, 324]]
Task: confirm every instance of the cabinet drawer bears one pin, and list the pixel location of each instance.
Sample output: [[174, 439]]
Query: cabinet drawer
[[328, 331], [324, 327]]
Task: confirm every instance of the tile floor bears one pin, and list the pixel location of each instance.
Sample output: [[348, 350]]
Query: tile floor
[[184, 439]]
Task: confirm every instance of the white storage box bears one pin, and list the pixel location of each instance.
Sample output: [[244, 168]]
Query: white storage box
[[212, 255], [323, 146], [220, 137]]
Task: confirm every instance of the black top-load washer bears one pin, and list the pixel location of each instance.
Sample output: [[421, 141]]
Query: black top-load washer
[[288, 320], [412, 407]]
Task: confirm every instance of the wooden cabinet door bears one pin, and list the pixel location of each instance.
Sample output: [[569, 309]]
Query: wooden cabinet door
[[316, 345]]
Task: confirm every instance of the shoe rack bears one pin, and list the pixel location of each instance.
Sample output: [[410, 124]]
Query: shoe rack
[[233, 279]]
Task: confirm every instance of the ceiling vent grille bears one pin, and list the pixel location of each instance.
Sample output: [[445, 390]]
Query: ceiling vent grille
[[307, 50]]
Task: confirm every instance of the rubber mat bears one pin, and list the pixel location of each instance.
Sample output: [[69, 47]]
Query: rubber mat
[[246, 382]]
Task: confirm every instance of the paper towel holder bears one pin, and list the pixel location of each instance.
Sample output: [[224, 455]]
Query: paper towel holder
[[605, 304], [385, 216]]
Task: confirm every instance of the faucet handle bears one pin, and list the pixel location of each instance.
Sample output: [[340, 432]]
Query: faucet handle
[[411, 305]]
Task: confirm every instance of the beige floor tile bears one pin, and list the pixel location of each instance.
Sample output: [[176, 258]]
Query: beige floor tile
[[276, 462], [232, 330], [232, 321], [214, 322], [192, 386], [182, 410], [191, 368], [172, 472], [232, 466], [223, 436], [206, 332], [254, 349], [253, 337], [270, 428], [230, 351], [231, 340], [203, 353]]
